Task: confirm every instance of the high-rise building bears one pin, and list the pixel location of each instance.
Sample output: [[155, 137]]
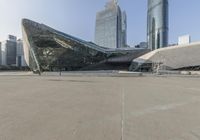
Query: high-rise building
[[20, 60], [124, 29], [9, 51], [157, 24], [12, 53], [110, 28], [185, 39]]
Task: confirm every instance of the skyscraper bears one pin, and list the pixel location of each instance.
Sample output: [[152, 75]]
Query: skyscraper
[[124, 29], [157, 24], [20, 60], [9, 48], [110, 28]]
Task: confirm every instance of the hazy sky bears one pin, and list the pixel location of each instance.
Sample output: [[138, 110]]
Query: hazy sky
[[77, 17]]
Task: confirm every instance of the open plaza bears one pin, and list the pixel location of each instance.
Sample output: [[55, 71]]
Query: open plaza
[[93, 107], [62, 80]]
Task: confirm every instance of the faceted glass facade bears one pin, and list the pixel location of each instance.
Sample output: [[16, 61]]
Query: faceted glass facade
[[46, 49], [157, 26]]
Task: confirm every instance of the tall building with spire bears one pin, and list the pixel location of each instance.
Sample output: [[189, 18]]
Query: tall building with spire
[[157, 24], [110, 30]]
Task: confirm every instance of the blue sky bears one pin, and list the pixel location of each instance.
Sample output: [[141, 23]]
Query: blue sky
[[77, 17]]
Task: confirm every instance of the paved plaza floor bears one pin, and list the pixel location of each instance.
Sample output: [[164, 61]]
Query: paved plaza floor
[[99, 108]]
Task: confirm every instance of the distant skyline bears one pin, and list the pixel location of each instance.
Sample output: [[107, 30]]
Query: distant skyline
[[77, 18]]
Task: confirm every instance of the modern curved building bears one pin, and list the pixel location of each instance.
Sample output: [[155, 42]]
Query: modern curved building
[[180, 57], [47, 49], [157, 24]]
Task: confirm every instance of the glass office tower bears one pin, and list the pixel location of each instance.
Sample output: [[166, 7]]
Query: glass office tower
[[124, 29], [9, 49], [110, 29], [157, 24]]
